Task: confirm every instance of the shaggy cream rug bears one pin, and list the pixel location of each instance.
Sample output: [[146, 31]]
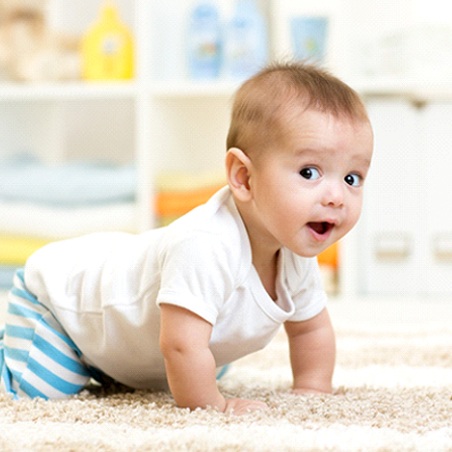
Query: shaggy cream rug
[[393, 392]]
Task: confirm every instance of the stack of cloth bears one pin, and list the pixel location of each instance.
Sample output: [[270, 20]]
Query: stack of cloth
[[40, 203], [179, 192], [329, 268]]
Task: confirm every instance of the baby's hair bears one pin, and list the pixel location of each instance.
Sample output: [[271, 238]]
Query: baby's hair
[[261, 102]]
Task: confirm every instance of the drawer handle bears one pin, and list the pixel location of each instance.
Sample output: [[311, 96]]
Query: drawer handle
[[442, 247], [393, 246]]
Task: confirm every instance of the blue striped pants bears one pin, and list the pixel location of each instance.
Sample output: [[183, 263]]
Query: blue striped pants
[[37, 358]]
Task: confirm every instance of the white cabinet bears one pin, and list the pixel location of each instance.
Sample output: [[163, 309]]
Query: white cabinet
[[405, 236], [389, 226], [436, 185]]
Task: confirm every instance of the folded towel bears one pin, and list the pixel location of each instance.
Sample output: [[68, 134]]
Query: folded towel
[[15, 250], [39, 221], [173, 204], [6, 276], [25, 178], [179, 192], [330, 257]]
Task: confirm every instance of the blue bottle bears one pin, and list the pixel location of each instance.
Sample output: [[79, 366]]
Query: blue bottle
[[204, 42], [246, 41]]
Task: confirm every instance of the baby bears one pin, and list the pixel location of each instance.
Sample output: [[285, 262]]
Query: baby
[[178, 303]]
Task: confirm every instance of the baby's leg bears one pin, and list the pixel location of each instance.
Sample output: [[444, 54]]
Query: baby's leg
[[37, 358]]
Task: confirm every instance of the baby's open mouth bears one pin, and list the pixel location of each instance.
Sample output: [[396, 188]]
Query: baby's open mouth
[[321, 227]]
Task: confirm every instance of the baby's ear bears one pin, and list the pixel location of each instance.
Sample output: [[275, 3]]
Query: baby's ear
[[238, 166]]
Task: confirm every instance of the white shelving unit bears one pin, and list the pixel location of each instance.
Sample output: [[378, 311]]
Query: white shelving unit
[[165, 120], [158, 122], [161, 120]]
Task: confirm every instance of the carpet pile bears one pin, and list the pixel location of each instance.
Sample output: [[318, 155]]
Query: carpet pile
[[393, 392]]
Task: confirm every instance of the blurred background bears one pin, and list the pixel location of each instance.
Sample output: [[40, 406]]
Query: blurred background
[[114, 115]]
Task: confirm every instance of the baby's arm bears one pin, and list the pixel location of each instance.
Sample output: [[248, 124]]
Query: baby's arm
[[190, 365], [312, 353]]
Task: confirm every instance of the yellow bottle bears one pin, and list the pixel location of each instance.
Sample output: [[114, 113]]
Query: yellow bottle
[[107, 47]]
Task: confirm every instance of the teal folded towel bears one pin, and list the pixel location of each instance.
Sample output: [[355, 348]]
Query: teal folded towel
[[24, 178], [6, 276]]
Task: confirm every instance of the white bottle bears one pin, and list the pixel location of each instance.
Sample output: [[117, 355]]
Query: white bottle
[[246, 41], [204, 41]]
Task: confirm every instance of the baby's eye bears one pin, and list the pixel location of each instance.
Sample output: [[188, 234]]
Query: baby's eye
[[310, 173], [353, 179]]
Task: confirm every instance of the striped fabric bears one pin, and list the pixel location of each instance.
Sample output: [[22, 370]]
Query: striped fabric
[[37, 358]]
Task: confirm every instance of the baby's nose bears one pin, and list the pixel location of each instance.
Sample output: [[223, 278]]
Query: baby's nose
[[333, 195]]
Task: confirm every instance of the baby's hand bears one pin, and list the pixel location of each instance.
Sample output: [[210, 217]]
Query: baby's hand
[[243, 406]]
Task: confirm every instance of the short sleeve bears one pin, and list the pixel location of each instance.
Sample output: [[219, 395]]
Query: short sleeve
[[305, 285], [197, 273]]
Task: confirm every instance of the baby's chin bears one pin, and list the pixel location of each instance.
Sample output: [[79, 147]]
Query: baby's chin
[[309, 253]]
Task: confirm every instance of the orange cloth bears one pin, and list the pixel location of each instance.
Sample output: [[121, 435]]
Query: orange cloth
[[330, 256], [176, 203]]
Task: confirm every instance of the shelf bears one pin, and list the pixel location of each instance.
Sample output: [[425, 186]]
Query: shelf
[[414, 90], [83, 90], [66, 90], [172, 89], [410, 88]]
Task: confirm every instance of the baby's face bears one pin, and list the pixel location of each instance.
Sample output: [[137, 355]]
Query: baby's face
[[308, 190]]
